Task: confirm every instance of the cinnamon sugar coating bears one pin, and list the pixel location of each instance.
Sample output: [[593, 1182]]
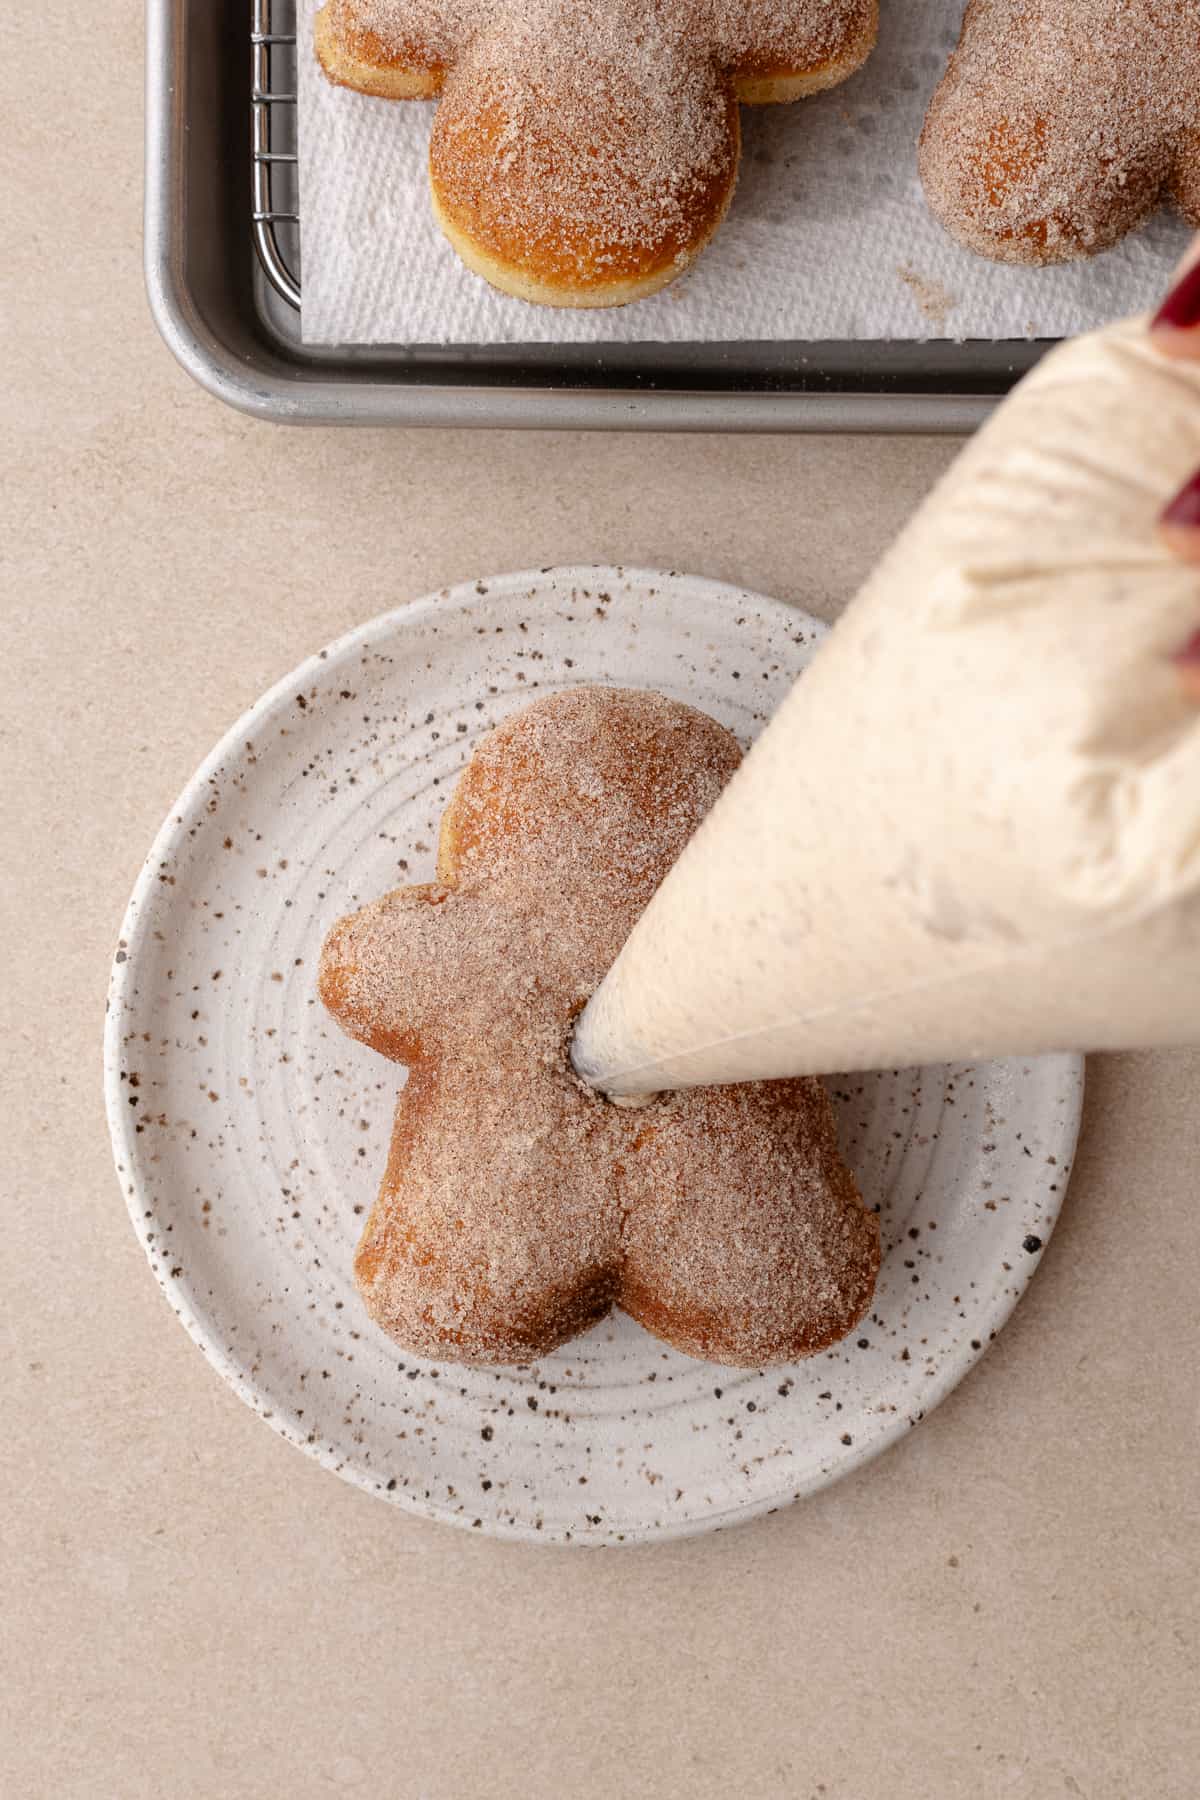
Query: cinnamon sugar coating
[[517, 1206], [584, 151], [1060, 124]]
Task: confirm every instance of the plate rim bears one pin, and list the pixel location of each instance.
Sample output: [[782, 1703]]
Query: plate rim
[[952, 1370]]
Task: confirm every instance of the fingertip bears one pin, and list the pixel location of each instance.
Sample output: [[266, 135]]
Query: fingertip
[[1189, 680], [1183, 541], [1175, 327], [1187, 665], [1183, 512], [1179, 346]]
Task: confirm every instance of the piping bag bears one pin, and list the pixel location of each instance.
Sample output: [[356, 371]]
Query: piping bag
[[973, 827]]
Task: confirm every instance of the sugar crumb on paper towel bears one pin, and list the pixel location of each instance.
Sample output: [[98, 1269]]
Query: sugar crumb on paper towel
[[828, 236], [932, 298]]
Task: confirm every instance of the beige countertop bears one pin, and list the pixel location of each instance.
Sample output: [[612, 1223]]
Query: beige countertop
[[1004, 1604]]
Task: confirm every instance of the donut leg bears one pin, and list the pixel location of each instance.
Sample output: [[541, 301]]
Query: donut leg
[[478, 1249], [745, 1239]]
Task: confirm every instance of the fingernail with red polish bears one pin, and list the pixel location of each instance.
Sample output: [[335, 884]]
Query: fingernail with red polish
[[1184, 510], [1188, 658], [1180, 311], [1187, 662]]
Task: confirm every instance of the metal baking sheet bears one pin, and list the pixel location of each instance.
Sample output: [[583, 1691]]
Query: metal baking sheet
[[232, 329]]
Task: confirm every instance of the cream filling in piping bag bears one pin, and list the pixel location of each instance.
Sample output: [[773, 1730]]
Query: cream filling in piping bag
[[973, 827]]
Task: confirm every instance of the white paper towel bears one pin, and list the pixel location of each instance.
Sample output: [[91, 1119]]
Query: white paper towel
[[828, 236]]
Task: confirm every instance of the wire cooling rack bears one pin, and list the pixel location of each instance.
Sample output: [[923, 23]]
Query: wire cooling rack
[[274, 171]]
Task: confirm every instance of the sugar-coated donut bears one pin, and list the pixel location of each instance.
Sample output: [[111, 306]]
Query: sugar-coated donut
[[518, 1206], [585, 151], [1060, 124]]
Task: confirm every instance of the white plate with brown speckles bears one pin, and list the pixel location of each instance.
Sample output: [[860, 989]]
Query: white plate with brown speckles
[[250, 1134]]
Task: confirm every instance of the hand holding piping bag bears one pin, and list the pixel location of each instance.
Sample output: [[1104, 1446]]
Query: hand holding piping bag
[[973, 827]]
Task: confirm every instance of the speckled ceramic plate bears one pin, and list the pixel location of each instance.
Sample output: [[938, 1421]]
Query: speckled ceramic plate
[[250, 1134]]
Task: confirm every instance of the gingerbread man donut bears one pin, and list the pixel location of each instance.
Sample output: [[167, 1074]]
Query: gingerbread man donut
[[585, 151], [518, 1206], [1060, 124]]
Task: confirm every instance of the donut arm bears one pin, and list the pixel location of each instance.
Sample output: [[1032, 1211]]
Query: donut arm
[[361, 45], [779, 53], [360, 961]]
